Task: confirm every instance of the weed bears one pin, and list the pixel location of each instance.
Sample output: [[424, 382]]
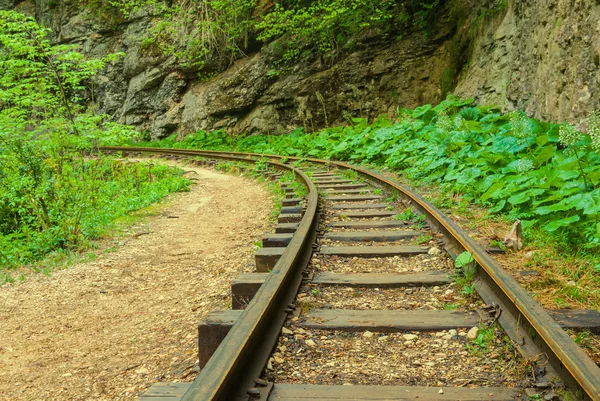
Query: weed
[[406, 215], [481, 343], [350, 174], [424, 238]]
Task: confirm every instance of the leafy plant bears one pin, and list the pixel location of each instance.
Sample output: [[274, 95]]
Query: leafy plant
[[517, 167], [56, 193], [406, 215], [423, 239]]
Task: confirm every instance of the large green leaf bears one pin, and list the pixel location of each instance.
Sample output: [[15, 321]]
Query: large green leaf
[[544, 155], [556, 224]]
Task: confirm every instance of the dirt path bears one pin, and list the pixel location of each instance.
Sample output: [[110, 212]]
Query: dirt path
[[107, 329]]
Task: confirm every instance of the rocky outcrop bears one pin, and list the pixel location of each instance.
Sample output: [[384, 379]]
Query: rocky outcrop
[[376, 79], [542, 57], [539, 56]]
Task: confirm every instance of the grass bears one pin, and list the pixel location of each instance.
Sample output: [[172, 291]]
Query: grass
[[423, 239]]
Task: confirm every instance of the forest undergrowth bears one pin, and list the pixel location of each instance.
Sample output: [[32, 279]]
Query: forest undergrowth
[[547, 175], [57, 192], [476, 161]]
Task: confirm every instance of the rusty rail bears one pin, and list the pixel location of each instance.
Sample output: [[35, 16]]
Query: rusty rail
[[523, 316]]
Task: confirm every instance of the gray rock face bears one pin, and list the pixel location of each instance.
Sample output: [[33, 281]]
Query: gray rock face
[[373, 80], [7, 4], [542, 57]]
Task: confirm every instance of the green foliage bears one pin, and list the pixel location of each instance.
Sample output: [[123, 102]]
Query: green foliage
[[197, 32], [464, 259], [509, 163], [325, 27], [53, 194], [485, 337], [212, 34]]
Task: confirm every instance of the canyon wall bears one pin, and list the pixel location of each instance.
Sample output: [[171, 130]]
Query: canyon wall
[[539, 56]]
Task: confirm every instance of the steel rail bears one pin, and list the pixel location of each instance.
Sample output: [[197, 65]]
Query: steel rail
[[581, 369], [243, 353]]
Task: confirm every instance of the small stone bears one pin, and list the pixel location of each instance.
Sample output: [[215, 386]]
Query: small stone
[[310, 343], [285, 330], [434, 251], [410, 337], [270, 364], [441, 391], [367, 334], [551, 396], [382, 338], [531, 392], [472, 334], [447, 337], [67, 375], [283, 348], [452, 332], [278, 359], [571, 283], [142, 371]]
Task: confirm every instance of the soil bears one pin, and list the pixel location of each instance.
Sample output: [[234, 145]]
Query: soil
[[109, 328]]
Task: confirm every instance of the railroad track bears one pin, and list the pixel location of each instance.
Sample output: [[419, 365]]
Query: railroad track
[[355, 288]]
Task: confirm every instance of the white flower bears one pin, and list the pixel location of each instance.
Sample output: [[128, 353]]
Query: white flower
[[459, 122], [524, 165], [444, 122], [594, 129], [568, 135], [520, 125]]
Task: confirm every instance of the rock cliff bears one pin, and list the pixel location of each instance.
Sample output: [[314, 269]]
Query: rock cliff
[[540, 56]]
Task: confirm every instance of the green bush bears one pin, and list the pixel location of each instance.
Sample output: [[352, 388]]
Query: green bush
[[55, 192], [212, 34], [547, 175]]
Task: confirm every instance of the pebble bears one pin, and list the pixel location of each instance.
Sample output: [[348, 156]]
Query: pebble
[[447, 337], [452, 332], [367, 334], [410, 337], [472, 334], [441, 391], [285, 330], [434, 251], [310, 343]]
